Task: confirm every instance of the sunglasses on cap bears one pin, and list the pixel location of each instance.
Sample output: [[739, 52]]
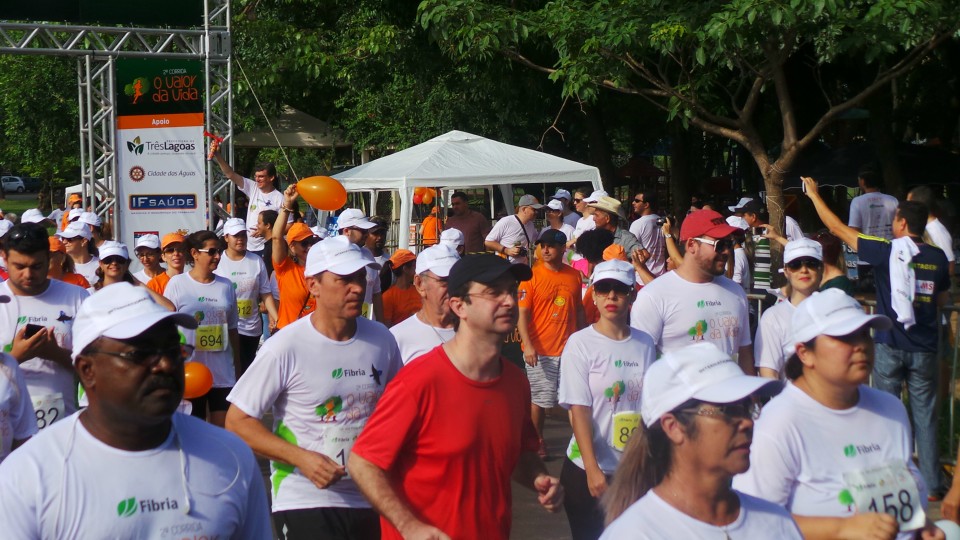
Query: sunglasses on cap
[[796, 264]]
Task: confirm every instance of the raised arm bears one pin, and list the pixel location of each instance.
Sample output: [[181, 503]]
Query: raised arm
[[228, 171], [840, 229], [280, 248]]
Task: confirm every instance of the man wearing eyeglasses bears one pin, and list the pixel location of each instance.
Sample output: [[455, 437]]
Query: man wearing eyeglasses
[[436, 457], [129, 465], [353, 224], [37, 315], [697, 302], [433, 324], [263, 193], [648, 232], [321, 377]]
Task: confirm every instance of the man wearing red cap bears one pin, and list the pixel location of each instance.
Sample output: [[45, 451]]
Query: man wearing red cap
[[696, 302]]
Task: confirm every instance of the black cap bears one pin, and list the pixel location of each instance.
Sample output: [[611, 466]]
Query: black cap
[[484, 268], [552, 236], [752, 207]]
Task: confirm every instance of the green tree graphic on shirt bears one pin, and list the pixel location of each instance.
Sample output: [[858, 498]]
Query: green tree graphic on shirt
[[615, 391], [698, 330]]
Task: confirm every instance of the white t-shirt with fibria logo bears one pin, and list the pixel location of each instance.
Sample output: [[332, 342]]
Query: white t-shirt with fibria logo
[[50, 384], [259, 201], [606, 375], [214, 306], [676, 313], [65, 483], [801, 450], [250, 280], [416, 338], [321, 393]]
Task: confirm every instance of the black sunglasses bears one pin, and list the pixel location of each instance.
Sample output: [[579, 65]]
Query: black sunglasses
[[606, 286], [812, 264]]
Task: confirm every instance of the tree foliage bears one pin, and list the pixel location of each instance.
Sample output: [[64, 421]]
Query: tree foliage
[[717, 65]]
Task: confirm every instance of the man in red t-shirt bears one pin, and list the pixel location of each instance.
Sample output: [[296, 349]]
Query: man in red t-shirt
[[436, 457]]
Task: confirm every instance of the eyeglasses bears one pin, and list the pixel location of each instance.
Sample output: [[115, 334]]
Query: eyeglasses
[[496, 296], [35, 233], [71, 239], [144, 254], [309, 241], [440, 280], [730, 412], [718, 245], [213, 252], [605, 287], [114, 259], [173, 249], [578, 200], [812, 264], [151, 357]]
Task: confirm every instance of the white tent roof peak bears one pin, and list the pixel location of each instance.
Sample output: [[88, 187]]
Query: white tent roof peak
[[458, 158]]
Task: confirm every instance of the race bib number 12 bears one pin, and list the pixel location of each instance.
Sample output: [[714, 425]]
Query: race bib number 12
[[890, 489]]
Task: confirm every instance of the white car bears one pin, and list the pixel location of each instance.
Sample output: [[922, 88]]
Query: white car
[[13, 183]]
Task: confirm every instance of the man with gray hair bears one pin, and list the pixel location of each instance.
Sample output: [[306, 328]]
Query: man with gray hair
[[433, 324]]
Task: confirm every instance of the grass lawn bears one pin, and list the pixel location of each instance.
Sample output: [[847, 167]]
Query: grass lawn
[[18, 206]]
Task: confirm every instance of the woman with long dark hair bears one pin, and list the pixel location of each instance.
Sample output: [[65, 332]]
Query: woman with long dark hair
[[673, 481]]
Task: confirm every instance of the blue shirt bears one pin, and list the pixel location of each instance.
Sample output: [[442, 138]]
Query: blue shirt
[[932, 276]]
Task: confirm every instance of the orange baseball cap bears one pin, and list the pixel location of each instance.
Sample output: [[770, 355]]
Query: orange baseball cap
[[401, 257], [171, 238], [298, 231], [56, 245], [74, 197], [614, 251]]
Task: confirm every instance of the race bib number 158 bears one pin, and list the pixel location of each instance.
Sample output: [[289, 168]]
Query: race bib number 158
[[890, 489]]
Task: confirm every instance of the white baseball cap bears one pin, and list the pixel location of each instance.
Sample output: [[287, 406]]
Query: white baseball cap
[[111, 248], [802, 247], [700, 371], [562, 194], [596, 196], [76, 229], [737, 207], [150, 241], [738, 222], [5, 226], [234, 226], [321, 232], [32, 216], [352, 217], [452, 238], [90, 219], [74, 213], [438, 259], [832, 313], [621, 271], [338, 255], [120, 311], [555, 204]]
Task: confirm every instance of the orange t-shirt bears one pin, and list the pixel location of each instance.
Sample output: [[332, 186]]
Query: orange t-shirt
[[75, 279], [398, 304], [431, 230], [159, 283], [295, 299], [553, 299]]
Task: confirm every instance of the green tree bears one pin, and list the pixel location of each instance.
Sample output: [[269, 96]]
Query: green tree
[[717, 65]]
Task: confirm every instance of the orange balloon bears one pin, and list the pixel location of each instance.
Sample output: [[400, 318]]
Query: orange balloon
[[419, 191], [197, 380], [427, 198], [322, 192]]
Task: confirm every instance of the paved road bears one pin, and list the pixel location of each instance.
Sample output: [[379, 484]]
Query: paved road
[[530, 520]]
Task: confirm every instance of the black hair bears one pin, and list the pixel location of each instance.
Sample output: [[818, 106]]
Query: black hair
[[196, 240], [269, 217], [868, 174], [592, 243], [27, 238], [649, 197], [925, 195], [459, 195], [793, 368], [271, 170], [915, 213], [831, 247]]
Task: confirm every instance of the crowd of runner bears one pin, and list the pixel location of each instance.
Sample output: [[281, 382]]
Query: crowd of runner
[[695, 412]]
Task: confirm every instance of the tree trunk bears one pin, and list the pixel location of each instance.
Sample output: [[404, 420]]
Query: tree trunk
[[679, 170], [599, 146], [773, 183], [881, 118]]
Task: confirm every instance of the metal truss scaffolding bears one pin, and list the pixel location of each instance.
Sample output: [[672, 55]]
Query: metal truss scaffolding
[[96, 48]]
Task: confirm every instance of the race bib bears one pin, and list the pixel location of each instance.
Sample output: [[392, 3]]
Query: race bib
[[244, 308], [338, 441], [48, 409], [890, 489], [210, 337], [624, 424]]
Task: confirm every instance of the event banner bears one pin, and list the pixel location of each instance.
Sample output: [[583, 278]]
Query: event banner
[[161, 158]]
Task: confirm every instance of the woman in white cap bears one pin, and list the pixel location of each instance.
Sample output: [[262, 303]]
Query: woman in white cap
[[554, 215], [803, 268], [601, 373], [212, 301], [148, 253], [673, 481], [834, 452], [115, 268], [76, 240]]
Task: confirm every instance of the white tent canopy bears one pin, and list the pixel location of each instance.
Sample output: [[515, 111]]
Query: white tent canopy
[[457, 160]]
